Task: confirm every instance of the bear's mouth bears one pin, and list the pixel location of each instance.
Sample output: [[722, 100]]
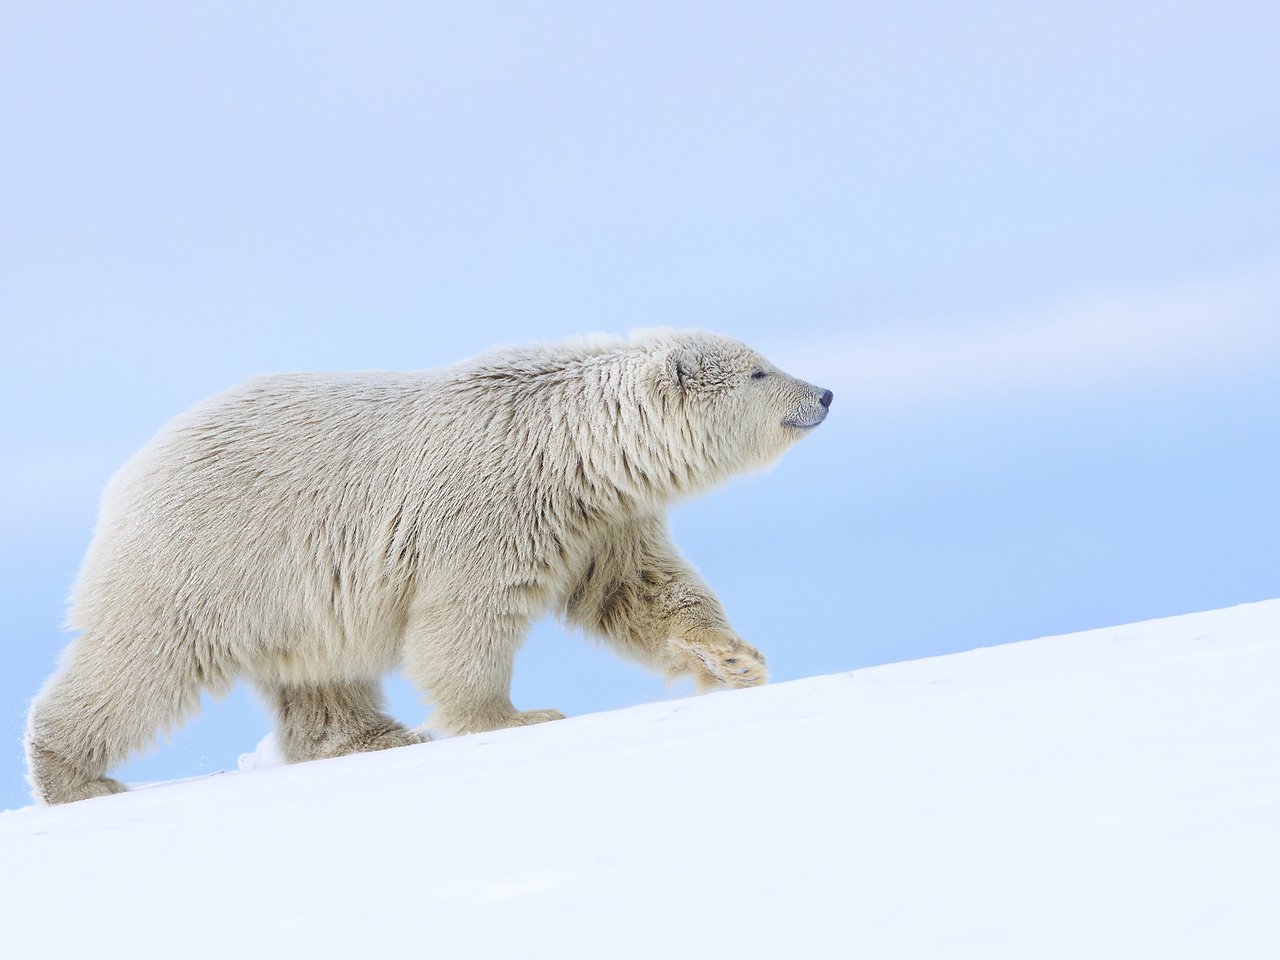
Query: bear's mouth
[[806, 421]]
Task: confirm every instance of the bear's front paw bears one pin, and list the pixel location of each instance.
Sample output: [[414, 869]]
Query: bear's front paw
[[723, 659], [457, 722], [527, 717]]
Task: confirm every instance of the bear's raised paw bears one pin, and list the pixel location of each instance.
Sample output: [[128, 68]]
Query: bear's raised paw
[[723, 660]]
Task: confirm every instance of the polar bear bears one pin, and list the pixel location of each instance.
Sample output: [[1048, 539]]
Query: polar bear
[[313, 532]]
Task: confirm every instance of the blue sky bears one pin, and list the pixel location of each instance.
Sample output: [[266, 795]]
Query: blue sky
[[1035, 253]]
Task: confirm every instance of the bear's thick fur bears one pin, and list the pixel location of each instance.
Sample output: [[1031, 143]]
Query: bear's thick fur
[[313, 532]]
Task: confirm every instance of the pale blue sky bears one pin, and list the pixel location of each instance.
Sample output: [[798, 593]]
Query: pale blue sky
[[1034, 252]]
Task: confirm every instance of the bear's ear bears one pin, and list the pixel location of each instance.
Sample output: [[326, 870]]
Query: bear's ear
[[683, 365]]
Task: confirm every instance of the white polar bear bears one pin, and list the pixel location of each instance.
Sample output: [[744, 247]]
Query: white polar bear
[[313, 532]]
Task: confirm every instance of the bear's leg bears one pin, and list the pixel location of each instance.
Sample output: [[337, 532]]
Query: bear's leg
[[464, 663], [318, 720], [107, 700], [644, 599]]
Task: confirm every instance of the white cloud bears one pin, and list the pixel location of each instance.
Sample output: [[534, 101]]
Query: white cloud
[[1189, 332]]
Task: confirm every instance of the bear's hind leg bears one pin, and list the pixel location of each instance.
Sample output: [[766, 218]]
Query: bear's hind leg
[[318, 720], [107, 700]]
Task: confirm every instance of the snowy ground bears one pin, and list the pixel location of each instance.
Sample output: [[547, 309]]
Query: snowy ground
[[1105, 794]]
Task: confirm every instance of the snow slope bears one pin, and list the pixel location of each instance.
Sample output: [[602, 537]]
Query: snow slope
[[1106, 794]]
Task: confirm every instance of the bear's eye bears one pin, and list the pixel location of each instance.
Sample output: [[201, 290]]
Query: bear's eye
[[758, 375]]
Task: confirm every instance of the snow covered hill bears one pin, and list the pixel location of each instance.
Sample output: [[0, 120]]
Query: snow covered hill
[[1106, 794]]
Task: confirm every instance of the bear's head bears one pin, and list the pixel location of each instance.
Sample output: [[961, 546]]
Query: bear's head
[[731, 409]]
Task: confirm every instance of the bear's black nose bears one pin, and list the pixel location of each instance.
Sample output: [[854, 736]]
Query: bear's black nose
[[826, 398]]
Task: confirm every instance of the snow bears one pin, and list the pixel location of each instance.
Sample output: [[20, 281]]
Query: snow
[[1114, 793]]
